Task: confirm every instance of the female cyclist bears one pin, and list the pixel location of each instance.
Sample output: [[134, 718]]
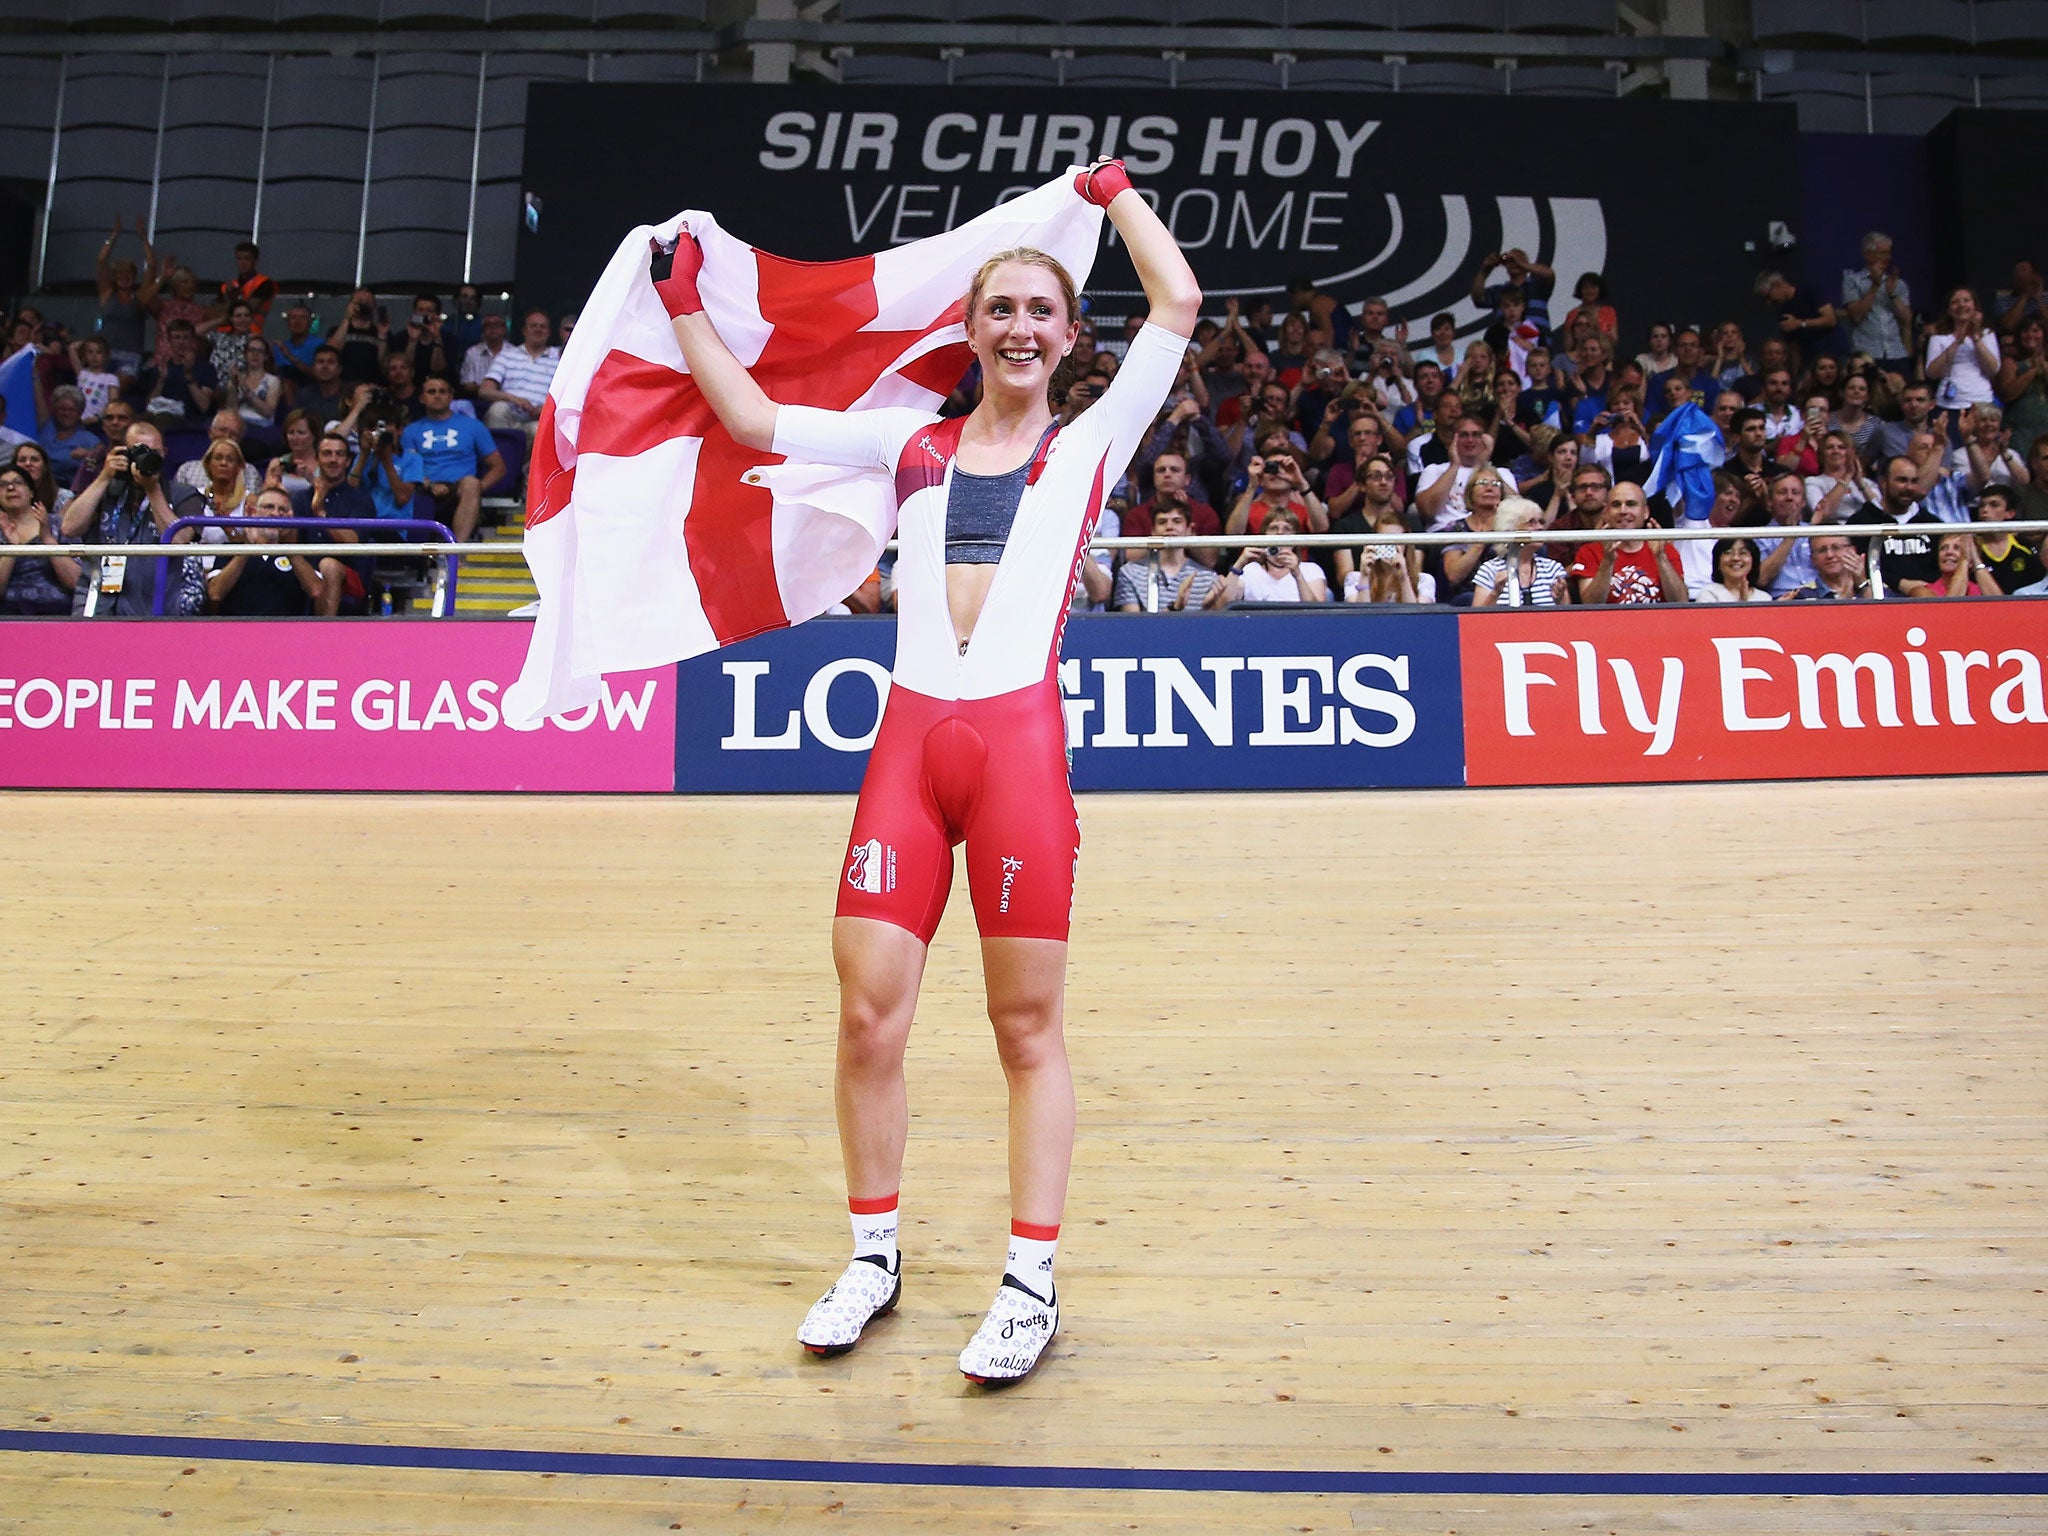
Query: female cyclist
[[994, 509]]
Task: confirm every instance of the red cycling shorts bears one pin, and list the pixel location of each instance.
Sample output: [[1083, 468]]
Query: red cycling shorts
[[988, 772]]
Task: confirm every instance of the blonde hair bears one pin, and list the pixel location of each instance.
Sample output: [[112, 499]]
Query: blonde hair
[[1515, 513], [1028, 256]]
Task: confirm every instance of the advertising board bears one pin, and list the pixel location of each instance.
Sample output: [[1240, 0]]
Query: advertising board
[[1211, 701], [306, 704], [1784, 690]]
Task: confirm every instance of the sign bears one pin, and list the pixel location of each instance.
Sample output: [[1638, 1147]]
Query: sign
[[1339, 700], [1395, 196], [307, 704], [1788, 690]]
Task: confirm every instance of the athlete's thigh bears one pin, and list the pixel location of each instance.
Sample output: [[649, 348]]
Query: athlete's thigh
[[899, 860], [1025, 838]]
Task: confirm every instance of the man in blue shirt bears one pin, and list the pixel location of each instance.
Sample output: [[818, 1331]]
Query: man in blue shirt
[[458, 455], [392, 476], [295, 352]]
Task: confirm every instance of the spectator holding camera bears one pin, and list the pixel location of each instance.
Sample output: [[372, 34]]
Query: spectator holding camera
[[1387, 573], [457, 454], [1276, 484], [390, 472], [361, 340], [127, 504], [424, 345], [1274, 573], [1183, 433]]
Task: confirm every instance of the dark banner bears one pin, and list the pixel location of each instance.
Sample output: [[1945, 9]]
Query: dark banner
[[1399, 196], [1295, 700]]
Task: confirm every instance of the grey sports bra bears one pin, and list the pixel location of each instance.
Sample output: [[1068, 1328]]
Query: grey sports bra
[[981, 509]]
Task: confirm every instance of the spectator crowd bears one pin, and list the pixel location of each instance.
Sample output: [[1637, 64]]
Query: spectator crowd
[[1289, 417], [185, 402]]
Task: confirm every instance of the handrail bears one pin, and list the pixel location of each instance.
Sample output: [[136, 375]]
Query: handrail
[[450, 550], [1652, 534]]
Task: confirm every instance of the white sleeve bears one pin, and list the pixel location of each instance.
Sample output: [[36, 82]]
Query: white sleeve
[[852, 439], [1119, 421]]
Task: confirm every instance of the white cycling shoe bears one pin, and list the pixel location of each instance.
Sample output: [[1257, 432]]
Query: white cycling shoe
[[1012, 1338], [863, 1293]]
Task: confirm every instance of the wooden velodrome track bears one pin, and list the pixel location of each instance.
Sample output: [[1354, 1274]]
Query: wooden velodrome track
[[1492, 1162]]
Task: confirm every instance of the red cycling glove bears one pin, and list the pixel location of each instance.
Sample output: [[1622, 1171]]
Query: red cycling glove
[[1101, 183], [674, 271]]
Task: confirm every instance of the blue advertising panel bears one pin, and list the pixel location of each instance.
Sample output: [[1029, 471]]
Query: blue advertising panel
[[1282, 700]]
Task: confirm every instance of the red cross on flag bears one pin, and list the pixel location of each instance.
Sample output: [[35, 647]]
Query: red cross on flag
[[652, 535]]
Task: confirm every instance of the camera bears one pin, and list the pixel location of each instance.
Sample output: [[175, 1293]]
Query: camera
[[144, 463], [1382, 554]]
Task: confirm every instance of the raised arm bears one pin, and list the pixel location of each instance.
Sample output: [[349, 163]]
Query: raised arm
[[741, 404], [1169, 282]]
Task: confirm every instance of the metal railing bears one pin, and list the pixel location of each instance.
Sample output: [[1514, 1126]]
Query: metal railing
[[452, 552], [445, 548]]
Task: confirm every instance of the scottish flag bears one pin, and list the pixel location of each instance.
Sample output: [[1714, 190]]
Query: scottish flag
[[1685, 451], [18, 388]]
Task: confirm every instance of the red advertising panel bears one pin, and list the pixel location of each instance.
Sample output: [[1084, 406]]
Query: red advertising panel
[[306, 704], [1781, 690]]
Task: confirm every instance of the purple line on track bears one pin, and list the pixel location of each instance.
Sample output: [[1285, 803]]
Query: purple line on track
[[327, 1453]]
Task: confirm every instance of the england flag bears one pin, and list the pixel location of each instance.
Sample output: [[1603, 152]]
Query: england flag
[[652, 535]]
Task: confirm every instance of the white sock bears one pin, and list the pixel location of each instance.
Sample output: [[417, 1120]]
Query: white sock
[[1031, 1253], [874, 1230]]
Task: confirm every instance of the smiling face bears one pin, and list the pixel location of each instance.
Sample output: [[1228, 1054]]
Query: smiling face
[[1626, 507], [1833, 557], [1732, 562], [1020, 328]]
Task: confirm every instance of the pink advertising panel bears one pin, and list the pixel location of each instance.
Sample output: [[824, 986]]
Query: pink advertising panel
[[307, 704]]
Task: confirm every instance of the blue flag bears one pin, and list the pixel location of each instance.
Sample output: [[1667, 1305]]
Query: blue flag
[[18, 388], [1685, 451]]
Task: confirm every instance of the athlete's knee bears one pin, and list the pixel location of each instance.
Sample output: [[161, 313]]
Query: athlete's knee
[[1029, 1036], [873, 1029]]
